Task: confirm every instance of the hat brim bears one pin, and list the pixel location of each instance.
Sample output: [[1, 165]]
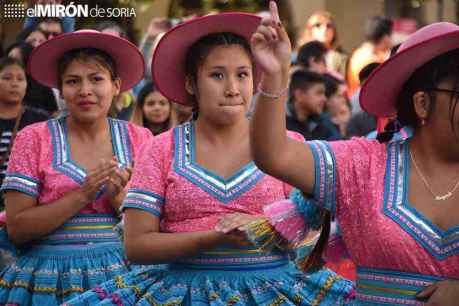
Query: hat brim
[[168, 64], [380, 91], [44, 60]]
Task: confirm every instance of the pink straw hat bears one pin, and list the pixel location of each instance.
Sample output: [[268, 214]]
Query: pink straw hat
[[43, 63], [380, 91], [168, 64]]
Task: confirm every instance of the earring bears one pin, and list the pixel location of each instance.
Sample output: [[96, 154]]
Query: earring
[[423, 121]]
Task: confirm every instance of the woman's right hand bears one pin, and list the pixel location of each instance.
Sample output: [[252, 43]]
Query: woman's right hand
[[231, 229], [96, 179]]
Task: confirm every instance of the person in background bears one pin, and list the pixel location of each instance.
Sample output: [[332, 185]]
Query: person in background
[[156, 28], [375, 49], [361, 122], [321, 26], [14, 115], [32, 36], [311, 57], [38, 97], [154, 111], [337, 105], [68, 23], [306, 107], [51, 26]]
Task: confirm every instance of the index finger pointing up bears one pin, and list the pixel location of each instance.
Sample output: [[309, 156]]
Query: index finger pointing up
[[274, 12]]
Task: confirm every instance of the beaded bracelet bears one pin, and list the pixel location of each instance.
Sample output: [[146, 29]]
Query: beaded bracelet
[[272, 95]]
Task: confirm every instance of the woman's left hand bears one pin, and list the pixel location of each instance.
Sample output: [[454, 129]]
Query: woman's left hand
[[271, 45], [444, 293], [115, 187]]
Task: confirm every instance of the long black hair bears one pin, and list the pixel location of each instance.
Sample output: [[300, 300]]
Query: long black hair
[[426, 79]]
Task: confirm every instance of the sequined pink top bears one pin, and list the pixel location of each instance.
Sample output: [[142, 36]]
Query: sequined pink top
[[168, 183], [365, 184], [41, 164]]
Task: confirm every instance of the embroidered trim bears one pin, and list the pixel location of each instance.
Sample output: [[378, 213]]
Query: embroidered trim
[[323, 291], [62, 161], [22, 183], [141, 199], [325, 175], [225, 190], [391, 287], [439, 243], [30, 288]]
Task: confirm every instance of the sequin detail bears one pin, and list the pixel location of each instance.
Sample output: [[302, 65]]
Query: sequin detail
[[225, 190]]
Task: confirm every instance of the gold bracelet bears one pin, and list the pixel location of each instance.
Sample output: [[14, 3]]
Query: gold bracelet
[[274, 96]]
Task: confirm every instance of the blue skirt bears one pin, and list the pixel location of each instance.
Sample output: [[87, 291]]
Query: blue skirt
[[230, 279], [53, 274]]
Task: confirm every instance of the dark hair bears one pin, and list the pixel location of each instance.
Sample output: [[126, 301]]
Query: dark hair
[[313, 49], [26, 50], [199, 51], [148, 88], [366, 71], [377, 27], [303, 80], [84, 54], [425, 78], [139, 118], [394, 49], [9, 61], [331, 85]]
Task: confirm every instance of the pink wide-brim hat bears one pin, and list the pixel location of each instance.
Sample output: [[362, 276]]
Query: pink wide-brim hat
[[168, 64], [380, 91], [44, 60]]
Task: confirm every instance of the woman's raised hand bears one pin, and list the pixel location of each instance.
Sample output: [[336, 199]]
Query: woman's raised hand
[[270, 44]]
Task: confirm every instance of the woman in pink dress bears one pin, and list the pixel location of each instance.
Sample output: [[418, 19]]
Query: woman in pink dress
[[66, 177], [192, 181], [396, 201]]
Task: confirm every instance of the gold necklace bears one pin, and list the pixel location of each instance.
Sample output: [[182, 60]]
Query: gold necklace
[[435, 196]]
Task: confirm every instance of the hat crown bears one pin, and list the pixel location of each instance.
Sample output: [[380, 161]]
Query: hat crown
[[428, 32]]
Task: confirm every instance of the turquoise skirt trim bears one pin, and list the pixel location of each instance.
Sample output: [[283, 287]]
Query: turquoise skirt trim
[[222, 277], [383, 287], [50, 275], [79, 255], [85, 229]]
